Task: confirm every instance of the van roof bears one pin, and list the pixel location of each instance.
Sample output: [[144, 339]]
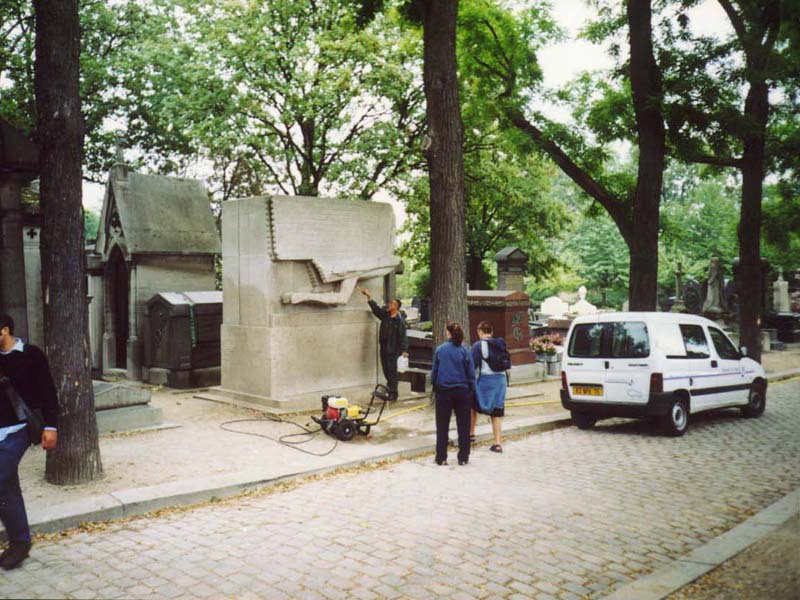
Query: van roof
[[649, 317]]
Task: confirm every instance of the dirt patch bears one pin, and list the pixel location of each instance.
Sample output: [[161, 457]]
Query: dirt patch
[[768, 569]]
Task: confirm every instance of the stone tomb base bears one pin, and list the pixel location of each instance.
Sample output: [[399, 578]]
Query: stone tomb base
[[288, 366], [121, 408]]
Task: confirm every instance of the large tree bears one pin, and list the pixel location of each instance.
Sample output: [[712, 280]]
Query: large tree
[[505, 45], [60, 131], [721, 114], [444, 154]]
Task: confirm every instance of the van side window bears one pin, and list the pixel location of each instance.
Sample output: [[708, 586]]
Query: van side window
[[724, 347], [694, 339], [586, 341], [630, 340]]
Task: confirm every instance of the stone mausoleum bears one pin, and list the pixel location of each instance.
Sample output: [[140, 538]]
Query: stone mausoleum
[[20, 265], [294, 325], [157, 234]]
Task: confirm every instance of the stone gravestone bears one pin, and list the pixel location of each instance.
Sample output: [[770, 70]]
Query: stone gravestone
[[693, 296], [583, 306], [511, 264], [714, 304], [293, 327], [554, 307], [780, 294]]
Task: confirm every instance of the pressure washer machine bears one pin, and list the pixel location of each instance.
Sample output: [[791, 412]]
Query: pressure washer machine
[[343, 420]]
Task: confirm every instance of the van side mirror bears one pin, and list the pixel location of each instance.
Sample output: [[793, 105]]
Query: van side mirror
[[743, 350]]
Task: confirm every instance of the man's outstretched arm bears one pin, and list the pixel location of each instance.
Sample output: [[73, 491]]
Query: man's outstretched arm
[[379, 312]]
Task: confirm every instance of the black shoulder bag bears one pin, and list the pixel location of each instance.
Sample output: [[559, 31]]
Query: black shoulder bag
[[34, 418]]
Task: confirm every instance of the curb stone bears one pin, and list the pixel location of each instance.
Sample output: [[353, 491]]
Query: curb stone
[[709, 556]]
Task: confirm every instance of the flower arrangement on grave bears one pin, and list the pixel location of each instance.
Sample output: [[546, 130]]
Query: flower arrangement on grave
[[547, 344]]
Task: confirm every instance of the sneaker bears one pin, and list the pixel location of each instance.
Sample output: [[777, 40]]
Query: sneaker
[[442, 463], [462, 462], [496, 448], [14, 555]]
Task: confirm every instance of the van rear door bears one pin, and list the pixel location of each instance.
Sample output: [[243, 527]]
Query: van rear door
[[628, 366], [585, 366]]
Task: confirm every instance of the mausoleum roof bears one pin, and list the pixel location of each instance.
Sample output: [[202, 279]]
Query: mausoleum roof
[[510, 252], [155, 214]]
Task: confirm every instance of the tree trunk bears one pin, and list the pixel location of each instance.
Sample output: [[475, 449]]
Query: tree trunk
[[446, 167], [475, 277], [60, 130], [646, 93], [751, 278]]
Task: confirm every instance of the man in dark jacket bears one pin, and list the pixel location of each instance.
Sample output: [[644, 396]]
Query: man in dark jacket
[[392, 338], [27, 369]]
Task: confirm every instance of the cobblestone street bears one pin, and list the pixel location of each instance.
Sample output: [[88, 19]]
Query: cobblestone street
[[565, 514]]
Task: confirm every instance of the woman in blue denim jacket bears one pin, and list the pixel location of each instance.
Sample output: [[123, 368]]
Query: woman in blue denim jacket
[[453, 379]]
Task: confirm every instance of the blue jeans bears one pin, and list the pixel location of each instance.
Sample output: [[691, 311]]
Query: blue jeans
[[12, 507]]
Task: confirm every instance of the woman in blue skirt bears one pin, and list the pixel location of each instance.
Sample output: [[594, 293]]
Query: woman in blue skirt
[[491, 388]]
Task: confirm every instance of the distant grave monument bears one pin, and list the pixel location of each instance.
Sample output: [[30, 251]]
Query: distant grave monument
[[292, 326], [780, 294], [511, 265], [583, 306], [714, 305], [554, 307]]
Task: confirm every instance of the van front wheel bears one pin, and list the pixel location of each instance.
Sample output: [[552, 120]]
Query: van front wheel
[[676, 421], [582, 420], [757, 402]]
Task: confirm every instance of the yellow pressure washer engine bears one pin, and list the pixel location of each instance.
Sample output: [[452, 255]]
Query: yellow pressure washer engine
[[343, 421]]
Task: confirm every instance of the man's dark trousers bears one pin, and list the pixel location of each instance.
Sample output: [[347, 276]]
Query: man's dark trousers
[[389, 365], [12, 507], [447, 401]]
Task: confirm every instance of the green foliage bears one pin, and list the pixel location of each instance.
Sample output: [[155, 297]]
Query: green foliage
[[291, 97], [112, 34], [91, 224], [781, 226], [506, 185]]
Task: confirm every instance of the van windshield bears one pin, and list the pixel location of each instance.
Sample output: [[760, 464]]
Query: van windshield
[[621, 339]]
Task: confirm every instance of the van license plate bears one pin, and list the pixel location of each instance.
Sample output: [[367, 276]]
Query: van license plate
[[587, 390]]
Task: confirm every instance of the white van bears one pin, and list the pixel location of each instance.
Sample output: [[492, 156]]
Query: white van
[[664, 366]]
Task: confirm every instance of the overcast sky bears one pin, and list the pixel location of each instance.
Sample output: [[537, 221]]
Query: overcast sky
[[560, 64]]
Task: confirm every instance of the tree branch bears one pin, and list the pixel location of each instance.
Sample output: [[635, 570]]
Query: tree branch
[[736, 20], [594, 189]]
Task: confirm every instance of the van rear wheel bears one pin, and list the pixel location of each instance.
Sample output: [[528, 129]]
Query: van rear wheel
[[676, 421], [582, 420], [757, 402]]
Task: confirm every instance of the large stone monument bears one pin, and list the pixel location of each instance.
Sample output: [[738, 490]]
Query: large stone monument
[[292, 326], [157, 234]]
